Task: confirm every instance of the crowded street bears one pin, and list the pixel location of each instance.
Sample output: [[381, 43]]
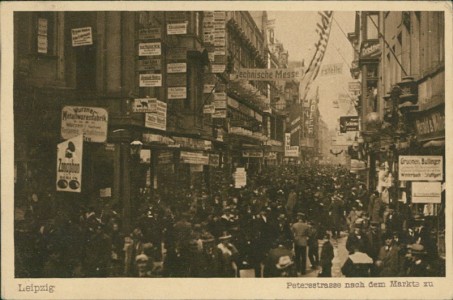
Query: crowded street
[[228, 144], [303, 220]]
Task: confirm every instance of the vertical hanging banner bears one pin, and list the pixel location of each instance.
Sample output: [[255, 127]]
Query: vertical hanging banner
[[69, 165]]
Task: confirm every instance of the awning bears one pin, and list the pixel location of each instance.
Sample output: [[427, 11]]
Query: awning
[[434, 143]]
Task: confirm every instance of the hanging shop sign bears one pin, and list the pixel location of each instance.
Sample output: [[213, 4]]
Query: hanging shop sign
[[145, 156], [370, 49], [217, 68], [430, 125], [268, 74], [92, 122], [219, 114], [176, 68], [69, 165], [144, 105], [149, 64], [240, 178], [291, 151], [420, 168], [177, 28], [158, 118], [177, 93], [252, 153], [208, 109], [150, 80], [208, 88], [221, 104], [149, 33], [82, 36], [155, 122], [149, 49], [195, 158], [349, 123], [331, 69], [426, 192]]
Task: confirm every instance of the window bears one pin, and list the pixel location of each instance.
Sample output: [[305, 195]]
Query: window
[[45, 33], [372, 21]]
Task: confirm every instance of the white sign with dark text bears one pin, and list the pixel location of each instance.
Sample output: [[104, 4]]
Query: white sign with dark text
[[420, 168], [92, 122], [69, 165], [82, 36]]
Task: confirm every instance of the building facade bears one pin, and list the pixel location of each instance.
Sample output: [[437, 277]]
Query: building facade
[[167, 114], [401, 65]]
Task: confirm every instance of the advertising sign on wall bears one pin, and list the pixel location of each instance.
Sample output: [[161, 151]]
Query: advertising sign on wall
[[150, 80], [176, 68], [240, 178], [149, 64], [349, 123], [420, 168], [92, 122], [177, 93], [82, 36], [149, 49], [194, 158], [144, 105], [252, 153], [426, 192], [177, 28], [269, 74], [69, 165], [158, 118]]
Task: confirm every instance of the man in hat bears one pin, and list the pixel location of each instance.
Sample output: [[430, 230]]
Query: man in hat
[[418, 266], [229, 254], [279, 260], [300, 231], [388, 262], [313, 247], [327, 255], [358, 264]]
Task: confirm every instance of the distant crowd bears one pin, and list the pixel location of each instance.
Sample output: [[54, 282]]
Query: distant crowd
[[284, 216]]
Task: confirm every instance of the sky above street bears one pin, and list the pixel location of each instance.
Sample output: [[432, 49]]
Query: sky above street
[[296, 30]]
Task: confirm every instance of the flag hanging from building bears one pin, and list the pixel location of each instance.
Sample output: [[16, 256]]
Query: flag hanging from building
[[323, 29]]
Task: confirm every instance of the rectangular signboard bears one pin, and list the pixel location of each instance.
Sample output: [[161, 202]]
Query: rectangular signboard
[[69, 165], [217, 68], [221, 104], [177, 28], [331, 69], [149, 64], [208, 88], [219, 114], [149, 33], [252, 153], [420, 168], [349, 123], [194, 158], [176, 68], [82, 36], [92, 122], [144, 105], [177, 93], [149, 49], [268, 74], [208, 109], [152, 120], [426, 192], [354, 86], [150, 80]]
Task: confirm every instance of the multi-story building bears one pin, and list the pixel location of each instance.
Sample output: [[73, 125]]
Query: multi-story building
[[166, 113], [402, 103]]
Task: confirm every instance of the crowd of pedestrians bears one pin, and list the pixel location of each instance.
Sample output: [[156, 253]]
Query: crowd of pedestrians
[[269, 228]]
